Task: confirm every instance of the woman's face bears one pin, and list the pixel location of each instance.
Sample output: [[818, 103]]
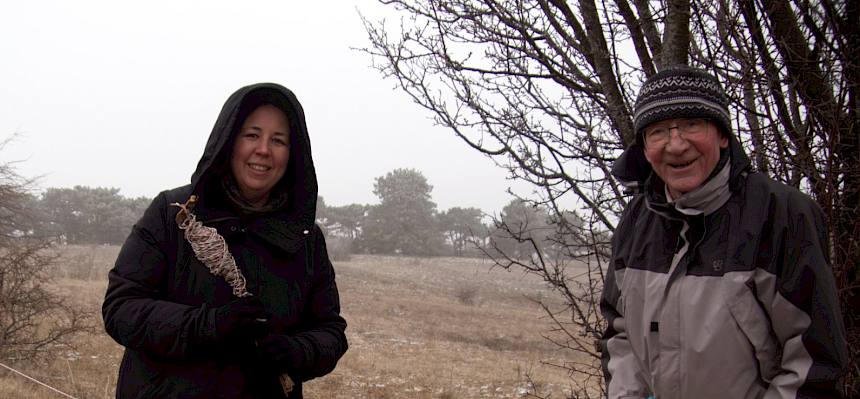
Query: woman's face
[[260, 153]]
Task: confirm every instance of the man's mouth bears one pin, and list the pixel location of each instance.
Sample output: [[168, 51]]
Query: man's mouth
[[682, 165]]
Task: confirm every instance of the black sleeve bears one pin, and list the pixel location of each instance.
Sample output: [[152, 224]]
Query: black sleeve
[[804, 310], [135, 311], [314, 351]]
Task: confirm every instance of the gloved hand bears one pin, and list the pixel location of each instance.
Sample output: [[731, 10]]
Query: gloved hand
[[284, 353], [244, 319]]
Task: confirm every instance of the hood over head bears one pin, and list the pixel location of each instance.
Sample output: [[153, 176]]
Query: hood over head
[[299, 181]]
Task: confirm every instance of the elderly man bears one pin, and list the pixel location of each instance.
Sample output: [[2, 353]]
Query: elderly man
[[720, 283]]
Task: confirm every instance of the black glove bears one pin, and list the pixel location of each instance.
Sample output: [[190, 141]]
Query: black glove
[[244, 319], [284, 353]]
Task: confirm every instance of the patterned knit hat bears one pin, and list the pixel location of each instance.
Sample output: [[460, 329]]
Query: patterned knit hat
[[681, 92]]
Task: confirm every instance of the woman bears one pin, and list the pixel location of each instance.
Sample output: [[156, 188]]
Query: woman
[[191, 333]]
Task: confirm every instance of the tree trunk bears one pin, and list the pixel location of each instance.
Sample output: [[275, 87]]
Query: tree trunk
[[676, 33]]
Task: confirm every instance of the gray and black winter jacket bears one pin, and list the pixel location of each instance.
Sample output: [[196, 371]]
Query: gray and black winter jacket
[[159, 295], [726, 294]]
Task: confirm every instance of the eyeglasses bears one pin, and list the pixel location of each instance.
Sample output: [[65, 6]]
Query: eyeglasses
[[658, 134]]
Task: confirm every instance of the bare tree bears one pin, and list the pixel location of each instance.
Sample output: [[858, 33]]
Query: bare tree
[[33, 318], [546, 88], [793, 68]]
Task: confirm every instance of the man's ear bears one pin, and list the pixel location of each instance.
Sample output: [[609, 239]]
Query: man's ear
[[724, 139]]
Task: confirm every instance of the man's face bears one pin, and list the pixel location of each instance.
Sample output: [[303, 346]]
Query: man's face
[[261, 153], [683, 152]]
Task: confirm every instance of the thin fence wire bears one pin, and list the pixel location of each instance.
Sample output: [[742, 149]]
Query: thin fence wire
[[37, 381]]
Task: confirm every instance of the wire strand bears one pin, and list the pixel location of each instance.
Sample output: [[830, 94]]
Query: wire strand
[[37, 381]]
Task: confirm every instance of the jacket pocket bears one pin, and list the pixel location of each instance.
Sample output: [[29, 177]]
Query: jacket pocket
[[754, 322]]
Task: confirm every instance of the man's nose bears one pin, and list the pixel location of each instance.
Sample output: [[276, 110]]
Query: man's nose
[[677, 142]]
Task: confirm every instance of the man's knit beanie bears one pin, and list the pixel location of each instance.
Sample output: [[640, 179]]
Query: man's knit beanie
[[681, 92]]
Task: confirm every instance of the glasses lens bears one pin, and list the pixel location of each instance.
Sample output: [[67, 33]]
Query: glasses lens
[[659, 135], [656, 135], [692, 125]]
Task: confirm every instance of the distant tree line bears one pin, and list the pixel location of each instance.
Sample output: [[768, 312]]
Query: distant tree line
[[405, 221], [85, 215]]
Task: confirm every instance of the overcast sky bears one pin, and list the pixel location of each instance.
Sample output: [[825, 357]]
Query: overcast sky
[[121, 94]]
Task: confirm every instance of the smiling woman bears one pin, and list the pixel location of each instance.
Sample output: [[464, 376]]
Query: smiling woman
[[261, 153], [243, 304]]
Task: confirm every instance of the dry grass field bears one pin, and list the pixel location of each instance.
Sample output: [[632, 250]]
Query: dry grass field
[[418, 328]]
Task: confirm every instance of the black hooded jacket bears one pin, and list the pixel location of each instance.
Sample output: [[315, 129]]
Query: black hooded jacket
[[159, 295]]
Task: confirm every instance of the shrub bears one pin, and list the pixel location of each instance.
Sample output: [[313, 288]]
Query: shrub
[[33, 318], [467, 295]]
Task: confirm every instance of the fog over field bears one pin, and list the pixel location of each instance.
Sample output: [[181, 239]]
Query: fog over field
[[107, 94], [418, 328]]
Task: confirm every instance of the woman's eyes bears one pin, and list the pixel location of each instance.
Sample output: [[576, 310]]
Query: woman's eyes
[[277, 140]]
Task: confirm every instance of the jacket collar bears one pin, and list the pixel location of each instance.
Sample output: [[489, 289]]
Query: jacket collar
[[276, 228]]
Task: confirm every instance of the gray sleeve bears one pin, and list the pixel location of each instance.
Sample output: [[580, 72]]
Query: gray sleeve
[[624, 378]]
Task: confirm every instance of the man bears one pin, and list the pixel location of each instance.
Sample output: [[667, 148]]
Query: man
[[720, 283]]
